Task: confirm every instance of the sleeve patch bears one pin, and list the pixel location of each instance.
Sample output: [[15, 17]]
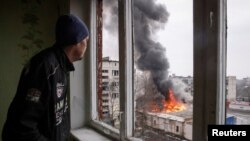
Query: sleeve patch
[[33, 95]]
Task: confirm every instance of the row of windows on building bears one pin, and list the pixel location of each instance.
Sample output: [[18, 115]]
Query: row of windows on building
[[106, 95], [114, 72]]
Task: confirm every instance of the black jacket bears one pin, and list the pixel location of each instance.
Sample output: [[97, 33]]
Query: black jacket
[[39, 110]]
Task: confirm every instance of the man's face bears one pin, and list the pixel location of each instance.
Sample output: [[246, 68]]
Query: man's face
[[81, 48]]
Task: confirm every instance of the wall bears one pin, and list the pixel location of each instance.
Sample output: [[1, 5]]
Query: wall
[[231, 88], [13, 41], [166, 124], [80, 93], [239, 107], [240, 121], [188, 128]]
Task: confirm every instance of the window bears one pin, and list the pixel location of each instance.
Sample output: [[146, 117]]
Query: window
[[105, 71], [115, 95], [177, 129], [163, 74], [105, 88], [208, 53], [154, 122], [115, 72], [105, 83], [106, 60], [105, 77], [238, 68], [105, 101]]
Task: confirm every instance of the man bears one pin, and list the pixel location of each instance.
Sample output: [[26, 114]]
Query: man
[[39, 110]]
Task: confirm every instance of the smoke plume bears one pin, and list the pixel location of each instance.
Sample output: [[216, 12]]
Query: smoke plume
[[182, 91], [148, 19]]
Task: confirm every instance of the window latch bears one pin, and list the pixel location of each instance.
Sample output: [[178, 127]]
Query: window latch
[[211, 19]]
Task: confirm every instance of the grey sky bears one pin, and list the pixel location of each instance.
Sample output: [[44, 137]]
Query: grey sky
[[238, 38], [110, 31], [177, 37]]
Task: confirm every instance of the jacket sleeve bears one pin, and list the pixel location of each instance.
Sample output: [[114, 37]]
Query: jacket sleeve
[[35, 99]]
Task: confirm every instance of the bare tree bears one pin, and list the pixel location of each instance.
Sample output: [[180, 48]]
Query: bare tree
[[145, 92], [114, 104]]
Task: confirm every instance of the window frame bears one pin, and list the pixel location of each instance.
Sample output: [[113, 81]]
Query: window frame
[[209, 30], [209, 65], [126, 68], [102, 127]]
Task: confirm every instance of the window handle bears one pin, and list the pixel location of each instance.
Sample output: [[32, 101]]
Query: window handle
[[211, 18]]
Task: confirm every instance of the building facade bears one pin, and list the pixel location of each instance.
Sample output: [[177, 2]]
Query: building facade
[[110, 91], [231, 88], [171, 124]]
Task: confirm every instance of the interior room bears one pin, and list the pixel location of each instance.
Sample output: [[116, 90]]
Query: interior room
[[128, 86]]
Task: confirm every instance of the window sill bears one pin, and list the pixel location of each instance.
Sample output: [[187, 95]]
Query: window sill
[[88, 134]]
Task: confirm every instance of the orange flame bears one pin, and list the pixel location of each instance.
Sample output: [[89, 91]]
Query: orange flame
[[169, 105]]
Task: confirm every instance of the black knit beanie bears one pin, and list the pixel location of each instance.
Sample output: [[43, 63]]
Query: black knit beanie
[[70, 30]]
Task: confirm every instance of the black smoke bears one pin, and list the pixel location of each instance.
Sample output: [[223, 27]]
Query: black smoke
[[148, 19]]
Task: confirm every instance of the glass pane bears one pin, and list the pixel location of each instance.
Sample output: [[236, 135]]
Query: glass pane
[[108, 63], [238, 67], [163, 76]]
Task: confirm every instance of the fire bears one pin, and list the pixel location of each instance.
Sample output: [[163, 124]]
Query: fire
[[170, 104]]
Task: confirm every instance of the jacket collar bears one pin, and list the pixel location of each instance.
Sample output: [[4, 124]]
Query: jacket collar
[[63, 59]]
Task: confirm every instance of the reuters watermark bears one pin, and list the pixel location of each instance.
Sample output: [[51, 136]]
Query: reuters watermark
[[241, 132]]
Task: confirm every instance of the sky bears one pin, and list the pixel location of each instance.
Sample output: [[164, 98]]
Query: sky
[[238, 44], [177, 37]]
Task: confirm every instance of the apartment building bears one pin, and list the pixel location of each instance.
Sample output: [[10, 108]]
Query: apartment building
[[110, 91]]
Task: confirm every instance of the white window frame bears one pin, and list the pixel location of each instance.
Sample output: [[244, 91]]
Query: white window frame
[[209, 65], [126, 70], [106, 129]]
